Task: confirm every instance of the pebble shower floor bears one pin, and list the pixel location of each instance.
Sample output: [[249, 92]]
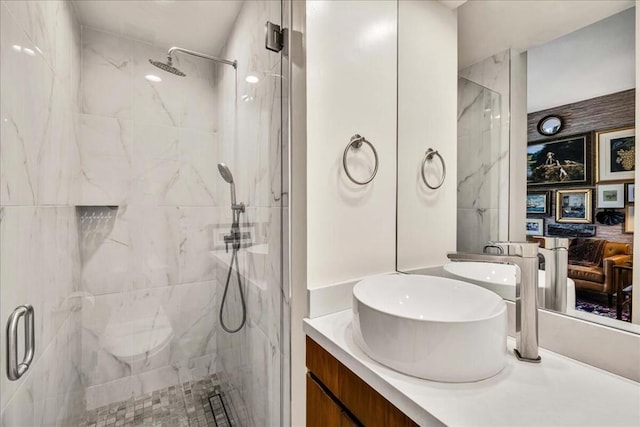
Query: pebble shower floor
[[185, 405]]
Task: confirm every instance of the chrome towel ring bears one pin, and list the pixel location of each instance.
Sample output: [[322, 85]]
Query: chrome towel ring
[[356, 142], [428, 155]]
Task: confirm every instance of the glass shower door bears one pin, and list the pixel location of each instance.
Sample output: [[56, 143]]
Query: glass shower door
[[117, 226]]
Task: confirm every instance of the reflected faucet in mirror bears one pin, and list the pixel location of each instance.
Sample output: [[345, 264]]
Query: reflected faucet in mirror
[[555, 251], [526, 263]]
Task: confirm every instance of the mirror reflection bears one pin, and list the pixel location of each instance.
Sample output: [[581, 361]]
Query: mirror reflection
[[567, 182]]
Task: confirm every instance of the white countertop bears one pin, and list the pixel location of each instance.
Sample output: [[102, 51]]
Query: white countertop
[[557, 392]]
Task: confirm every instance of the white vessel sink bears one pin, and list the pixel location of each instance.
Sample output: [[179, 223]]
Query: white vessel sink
[[431, 327]]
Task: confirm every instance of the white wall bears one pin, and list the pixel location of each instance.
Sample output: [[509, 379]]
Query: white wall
[[487, 26], [593, 61], [517, 147], [351, 88], [427, 111]]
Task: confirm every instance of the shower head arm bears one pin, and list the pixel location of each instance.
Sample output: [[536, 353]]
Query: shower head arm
[[234, 64]]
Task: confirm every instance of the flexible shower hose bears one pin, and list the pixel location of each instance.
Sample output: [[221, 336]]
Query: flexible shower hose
[[234, 257]]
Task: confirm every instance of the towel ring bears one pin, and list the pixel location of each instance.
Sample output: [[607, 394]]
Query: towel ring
[[428, 155], [356, 142]]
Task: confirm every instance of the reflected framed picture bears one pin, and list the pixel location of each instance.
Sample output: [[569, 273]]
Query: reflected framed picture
[[610, 196], [539, 202], [571, 230], [616, 154], [631, 192], [573, 206], [535, 226], [560, 162], [629, 215]]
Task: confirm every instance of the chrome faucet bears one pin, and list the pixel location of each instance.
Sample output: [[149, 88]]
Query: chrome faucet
[[524, 256], [555, 251]]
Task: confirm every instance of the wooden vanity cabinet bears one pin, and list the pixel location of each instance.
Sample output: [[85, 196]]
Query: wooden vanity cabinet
[[338, 397]]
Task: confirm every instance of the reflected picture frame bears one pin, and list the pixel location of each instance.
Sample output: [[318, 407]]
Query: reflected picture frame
[[610, 196], [560, 162], [615, 155], [538, 202], [631, 192], [574, 206], [629, 217], [535, 226]]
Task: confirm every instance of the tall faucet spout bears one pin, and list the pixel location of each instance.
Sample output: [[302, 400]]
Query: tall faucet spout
[[526, 263]]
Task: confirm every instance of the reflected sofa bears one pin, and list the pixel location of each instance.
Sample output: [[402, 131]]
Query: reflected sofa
[[591, 264]]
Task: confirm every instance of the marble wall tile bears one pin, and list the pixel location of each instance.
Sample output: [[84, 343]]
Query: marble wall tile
[[483, 131], [199, 174], [39, 162], [106, 156], [194, 333], [46, 24], [200, 112], [171, 220], [107, 70], [255, 157], [476, 227], [154, 235], [47, 238], [492, 73], [199, 367], [162, 334], [27, 82], [160, 103], [110, 392], [250, 359], [157, 164], [196, 233], [58, 398], [19, 410]]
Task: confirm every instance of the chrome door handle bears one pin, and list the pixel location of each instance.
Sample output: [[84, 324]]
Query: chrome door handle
[[14, 369]]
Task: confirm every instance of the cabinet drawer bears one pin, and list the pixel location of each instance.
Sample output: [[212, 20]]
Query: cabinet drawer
[[363, 402], [322, 410]]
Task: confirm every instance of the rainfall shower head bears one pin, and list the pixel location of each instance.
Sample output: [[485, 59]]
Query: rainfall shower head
[[227, 176], [168, 67]]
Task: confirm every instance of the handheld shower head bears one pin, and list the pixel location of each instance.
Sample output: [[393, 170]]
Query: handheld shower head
[[225, 172], [228, 177]]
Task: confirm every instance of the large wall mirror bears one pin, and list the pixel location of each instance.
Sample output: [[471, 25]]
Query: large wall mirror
[[545, 152]]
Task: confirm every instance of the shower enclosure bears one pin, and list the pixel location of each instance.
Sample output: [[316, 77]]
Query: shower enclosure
[[483, 171], [117, 227]]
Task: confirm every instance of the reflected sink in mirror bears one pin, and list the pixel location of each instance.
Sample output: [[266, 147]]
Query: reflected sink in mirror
[[431, 327], [501, 279]]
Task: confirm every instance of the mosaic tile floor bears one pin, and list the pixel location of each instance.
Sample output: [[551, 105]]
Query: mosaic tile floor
[[185, 405]]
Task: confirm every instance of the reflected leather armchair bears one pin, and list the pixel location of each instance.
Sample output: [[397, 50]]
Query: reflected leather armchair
[[599, 277]]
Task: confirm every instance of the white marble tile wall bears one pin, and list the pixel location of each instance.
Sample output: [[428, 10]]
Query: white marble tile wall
[[152, 149], [483, 130], [251, 359], [39, 245]]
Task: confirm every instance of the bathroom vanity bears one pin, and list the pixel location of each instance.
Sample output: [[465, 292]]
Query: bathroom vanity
[[337, 396], [347, 387]]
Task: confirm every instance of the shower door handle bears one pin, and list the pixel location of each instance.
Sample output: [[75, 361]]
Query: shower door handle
[[14, 369]]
